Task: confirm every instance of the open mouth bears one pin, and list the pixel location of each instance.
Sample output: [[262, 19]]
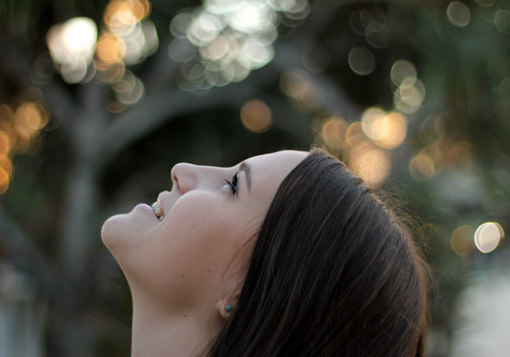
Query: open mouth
[[158, 211]]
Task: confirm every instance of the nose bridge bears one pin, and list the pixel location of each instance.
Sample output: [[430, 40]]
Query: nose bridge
[[189, 177]]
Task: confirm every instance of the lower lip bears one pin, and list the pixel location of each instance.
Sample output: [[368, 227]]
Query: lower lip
[[147, 209]]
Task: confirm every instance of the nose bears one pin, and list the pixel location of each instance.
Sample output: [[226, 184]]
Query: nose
[[184, 177], [187, 177]]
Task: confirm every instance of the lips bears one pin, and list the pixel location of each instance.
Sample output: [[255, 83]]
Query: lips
[[158, 211], [163, 204]]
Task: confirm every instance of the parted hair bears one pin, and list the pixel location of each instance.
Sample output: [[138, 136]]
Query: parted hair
[[333, 273]]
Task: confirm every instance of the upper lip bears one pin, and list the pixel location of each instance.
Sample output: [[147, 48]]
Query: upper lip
[[162, 198]]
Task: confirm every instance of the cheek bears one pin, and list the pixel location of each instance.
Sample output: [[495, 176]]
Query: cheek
[[200, 228], [186, 255]]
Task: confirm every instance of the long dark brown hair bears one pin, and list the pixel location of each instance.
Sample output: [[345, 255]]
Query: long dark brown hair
[[333, 273]]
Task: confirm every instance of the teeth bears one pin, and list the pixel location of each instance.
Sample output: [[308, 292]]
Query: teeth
[[157, 210]]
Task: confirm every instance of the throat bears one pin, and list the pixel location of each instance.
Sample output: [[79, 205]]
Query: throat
[[178, 335]]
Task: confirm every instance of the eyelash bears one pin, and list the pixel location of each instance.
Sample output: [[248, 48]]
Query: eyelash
[[233, 184]]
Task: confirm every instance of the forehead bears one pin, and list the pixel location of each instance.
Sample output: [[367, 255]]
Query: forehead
[[284, 160], [272, 168]]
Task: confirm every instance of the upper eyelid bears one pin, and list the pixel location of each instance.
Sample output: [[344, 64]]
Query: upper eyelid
[[235, 178]]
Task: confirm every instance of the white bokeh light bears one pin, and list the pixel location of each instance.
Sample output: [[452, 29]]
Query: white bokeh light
[[458, 14], [361, 61], [487, 236], [72, 45], [227, 39]]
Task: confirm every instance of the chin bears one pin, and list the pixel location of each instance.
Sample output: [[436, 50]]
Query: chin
[[108, 229], [115, 231]]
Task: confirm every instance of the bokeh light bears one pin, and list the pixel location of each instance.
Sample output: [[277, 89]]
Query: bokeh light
[[369, 162], [31, 117], [377, 34], [333, 132], [4, 180], [354, 134], [488, 236], [256, 116], [5, 144], [355, 23], [361, 61], [458, 13], [402, 70], [409, 96], [502, 21], [129, 37], [110, 48], [486, 3], [422, 167], [128, 90], [72, 46], [371, 23], [462, 240], [410, 92], [300, 88], [110, 73], [6, 164], [19, 133], [385, 130], [500, 229], [224, 40], [121, 15], [459, 155]]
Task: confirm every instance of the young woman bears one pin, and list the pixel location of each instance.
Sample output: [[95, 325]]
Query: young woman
[[286, 254]]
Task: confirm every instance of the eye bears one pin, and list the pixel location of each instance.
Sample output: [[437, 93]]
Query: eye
[[233, 184]]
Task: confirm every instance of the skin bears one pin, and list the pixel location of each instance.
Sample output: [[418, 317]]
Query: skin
[[184, 270]]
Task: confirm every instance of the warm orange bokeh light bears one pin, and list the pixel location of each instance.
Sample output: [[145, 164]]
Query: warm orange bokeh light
[[462, 240], [385, 130], [370, 163], [256, 116], [4, 180], [354, 134], [6, 164], [6, 113], [298, 85], [5, 144], [31, 117], [486, 3], [19, 133], [460, 154], [110, 72], [333, 132], [422, 167], [120, 15], [23, 138], [110, 48]]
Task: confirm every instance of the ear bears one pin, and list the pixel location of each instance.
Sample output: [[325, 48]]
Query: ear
[[226, 305]]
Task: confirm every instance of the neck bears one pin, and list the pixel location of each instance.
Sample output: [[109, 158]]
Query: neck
[[165, 334]]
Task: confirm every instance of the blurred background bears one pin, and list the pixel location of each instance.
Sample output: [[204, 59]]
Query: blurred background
[[99, 99]]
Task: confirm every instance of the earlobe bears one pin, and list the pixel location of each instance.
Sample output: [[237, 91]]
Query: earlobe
[[226, 305], [225, 308]]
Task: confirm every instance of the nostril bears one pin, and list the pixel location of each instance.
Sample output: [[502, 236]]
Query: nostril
[[184, 177], [175, 181]]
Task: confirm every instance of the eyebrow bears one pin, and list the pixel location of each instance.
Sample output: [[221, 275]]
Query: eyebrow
[[247, 171]]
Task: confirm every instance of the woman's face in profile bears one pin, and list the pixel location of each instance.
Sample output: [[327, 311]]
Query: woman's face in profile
[[202, 241]]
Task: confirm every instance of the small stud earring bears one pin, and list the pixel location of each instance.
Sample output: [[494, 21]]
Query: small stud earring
[[228, 308]]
